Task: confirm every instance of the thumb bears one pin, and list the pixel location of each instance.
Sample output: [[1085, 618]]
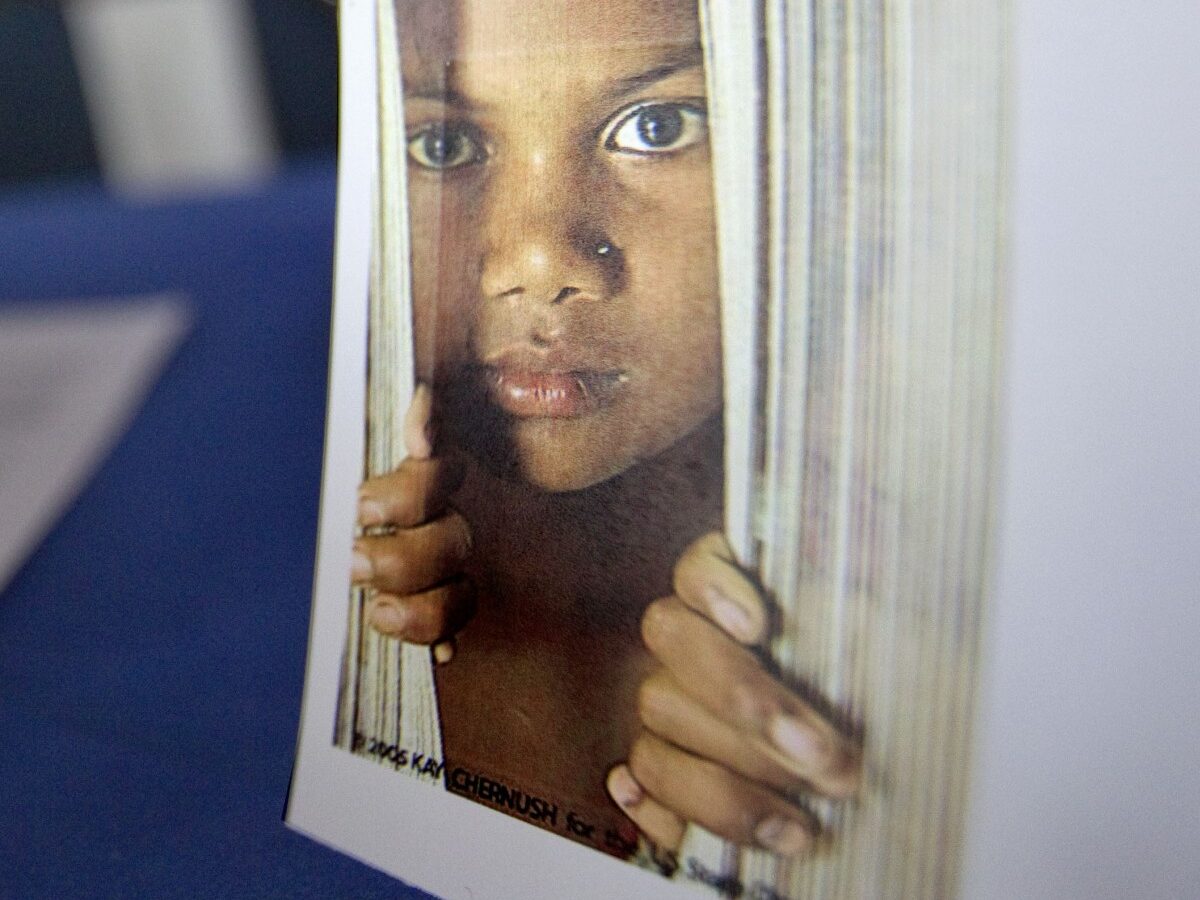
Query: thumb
[[418, 424]]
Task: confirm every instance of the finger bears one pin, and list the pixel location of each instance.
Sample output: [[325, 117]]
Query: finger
[[725, 803], [666, 710], [412, 560], [418, 424], [417, 491], [654, 820], [728, 681], [709, 581], [426, 618]]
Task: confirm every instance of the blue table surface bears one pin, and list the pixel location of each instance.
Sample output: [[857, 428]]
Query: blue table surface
[[152, 650]]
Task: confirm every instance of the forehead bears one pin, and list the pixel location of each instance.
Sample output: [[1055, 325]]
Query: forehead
[[481, 39]]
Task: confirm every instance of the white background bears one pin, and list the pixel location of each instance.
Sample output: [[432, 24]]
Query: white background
[[175, 92], [1088, 778]]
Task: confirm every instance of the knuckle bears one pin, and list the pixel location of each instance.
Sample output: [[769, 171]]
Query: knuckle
[[391, 567], [461, 540], [714, 544], [684, 577], [710, 545], [750, 693], [843, 777], [408, 509], [444, 611], [696, 567], [386, 614], [660, 625], [732, 813], [653, 698], [689, 559], [410, 499], [644, 764], [427, 625]]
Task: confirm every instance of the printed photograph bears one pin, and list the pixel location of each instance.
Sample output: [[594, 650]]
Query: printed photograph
[[672, 524]]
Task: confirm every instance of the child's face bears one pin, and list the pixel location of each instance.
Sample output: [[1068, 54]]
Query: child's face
[[562, 212]]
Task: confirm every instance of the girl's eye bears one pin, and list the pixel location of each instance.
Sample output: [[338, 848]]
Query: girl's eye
[[444, 146], [651, 128]]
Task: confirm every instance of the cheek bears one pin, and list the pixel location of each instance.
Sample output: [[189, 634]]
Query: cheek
[[681, 352], [674, 297], [667, 226]]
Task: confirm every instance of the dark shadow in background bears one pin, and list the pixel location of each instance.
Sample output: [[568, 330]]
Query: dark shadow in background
[[45, 132], [298, 41], [44, 126]]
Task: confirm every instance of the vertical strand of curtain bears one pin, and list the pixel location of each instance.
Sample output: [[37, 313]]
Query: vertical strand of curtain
[[734, 88], [785, 358], [419, 725], [884, 145], [733, 40], [396, 697]]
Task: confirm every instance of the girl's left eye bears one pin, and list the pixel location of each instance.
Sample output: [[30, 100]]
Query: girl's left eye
[[651, 128]]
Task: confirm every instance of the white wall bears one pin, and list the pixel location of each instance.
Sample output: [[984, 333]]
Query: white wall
[[1088, 783], [175, 92]]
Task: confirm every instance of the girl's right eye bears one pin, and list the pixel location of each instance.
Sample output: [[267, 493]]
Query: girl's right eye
[[443, 146]]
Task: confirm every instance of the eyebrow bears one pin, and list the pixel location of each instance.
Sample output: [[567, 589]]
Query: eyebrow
[[439, 93], [678, 61]]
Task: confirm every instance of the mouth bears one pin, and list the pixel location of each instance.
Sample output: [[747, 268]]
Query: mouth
[[529, 393]]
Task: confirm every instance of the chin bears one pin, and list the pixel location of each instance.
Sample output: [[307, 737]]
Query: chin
[[552, 458], [561, 475]]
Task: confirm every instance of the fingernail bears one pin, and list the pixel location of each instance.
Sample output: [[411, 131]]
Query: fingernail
[[370, 512], [360, 567], [782, 836], [422, 447], [624, 789], [443, 653], [798, 741], [417, 430], [731, 616]]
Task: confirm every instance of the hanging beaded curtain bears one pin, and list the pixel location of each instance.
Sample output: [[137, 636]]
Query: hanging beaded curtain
[[387, 687], [861, 279], [868, 358]]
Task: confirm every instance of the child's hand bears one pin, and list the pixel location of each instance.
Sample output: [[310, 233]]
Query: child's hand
[[413, 554], [722, 740]]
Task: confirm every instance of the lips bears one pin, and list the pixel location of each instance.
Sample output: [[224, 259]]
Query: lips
[[530, 393]]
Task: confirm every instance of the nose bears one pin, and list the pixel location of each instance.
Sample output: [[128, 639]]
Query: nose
[[545, 235]]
